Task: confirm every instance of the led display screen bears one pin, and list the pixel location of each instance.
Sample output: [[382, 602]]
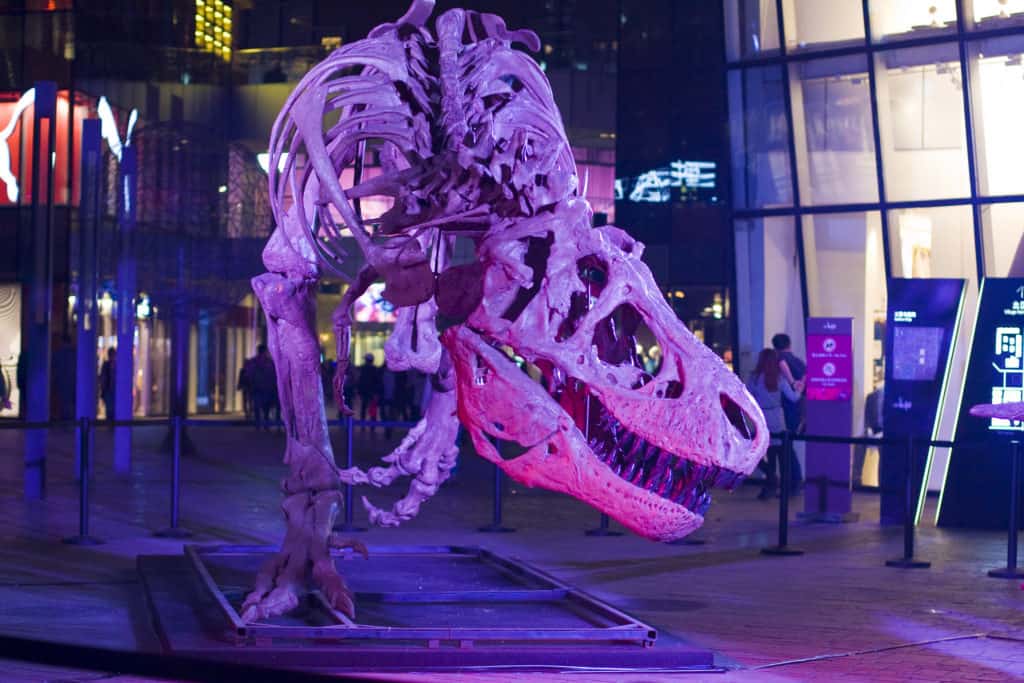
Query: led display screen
[[916, 353], [372, 307]]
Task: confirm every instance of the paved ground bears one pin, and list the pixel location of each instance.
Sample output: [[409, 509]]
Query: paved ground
[[835, 613]]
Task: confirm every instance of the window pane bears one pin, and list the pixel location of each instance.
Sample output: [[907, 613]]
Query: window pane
[[932, 242], [760, 142], [989, 14], [921, 119], [836, 150], [813, 23], [751, 28], [897, 19], [997, 80], [768, 287], [846, 278], [1003, 234]]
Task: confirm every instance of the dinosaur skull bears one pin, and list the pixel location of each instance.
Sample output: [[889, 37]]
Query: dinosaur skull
[[645, 449]]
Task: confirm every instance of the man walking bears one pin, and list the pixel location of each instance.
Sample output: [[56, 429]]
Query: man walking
[[794, 369], [263, 384]]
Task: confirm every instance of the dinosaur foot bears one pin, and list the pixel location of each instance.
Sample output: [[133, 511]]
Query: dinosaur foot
[[284, 581], [304, 562]]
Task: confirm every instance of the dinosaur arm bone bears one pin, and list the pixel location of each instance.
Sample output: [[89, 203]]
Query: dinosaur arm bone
[[342, 322], [427, 454]]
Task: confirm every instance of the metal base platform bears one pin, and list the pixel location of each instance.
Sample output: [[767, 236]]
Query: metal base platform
[[418, 607]]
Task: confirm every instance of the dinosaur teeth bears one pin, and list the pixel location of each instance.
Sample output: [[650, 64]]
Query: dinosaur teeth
[[646, 466]]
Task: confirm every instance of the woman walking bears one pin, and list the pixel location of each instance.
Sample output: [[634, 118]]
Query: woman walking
[[768, 386]]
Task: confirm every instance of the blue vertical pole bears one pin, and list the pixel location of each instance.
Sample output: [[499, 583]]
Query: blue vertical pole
[[40, 286], [126, 286], [88, 229], [347, 524]]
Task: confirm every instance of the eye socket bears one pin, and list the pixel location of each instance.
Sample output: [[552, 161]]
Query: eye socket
[[593, 270]]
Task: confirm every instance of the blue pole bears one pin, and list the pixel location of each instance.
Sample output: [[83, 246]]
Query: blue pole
[[347, 524], [126, 285], [85, 448], [88, 228]]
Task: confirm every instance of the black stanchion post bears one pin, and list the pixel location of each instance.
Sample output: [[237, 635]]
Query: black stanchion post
[[602, 528], [496, 527], [1010, 571], [175, 531], [347, 524], [84, 446], [785, 463], [908, 561]]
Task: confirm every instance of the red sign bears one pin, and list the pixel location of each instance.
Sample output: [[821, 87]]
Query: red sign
[[829, 360]]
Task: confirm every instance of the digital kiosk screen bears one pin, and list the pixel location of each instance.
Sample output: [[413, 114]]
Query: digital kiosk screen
[[920, 327], [916, 353]]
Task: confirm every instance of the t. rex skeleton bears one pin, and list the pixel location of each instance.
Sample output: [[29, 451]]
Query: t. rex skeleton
[[471, 144]]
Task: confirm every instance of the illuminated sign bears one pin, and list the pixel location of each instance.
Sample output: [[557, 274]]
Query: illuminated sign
[[656, 185], [24, 102], [213, 27], [974, 492], [108, 128], [372, 307], [829, 360], [1008, 363], [263, 159]]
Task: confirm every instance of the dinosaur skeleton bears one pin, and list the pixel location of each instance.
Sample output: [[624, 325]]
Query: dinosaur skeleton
[[471, 144]]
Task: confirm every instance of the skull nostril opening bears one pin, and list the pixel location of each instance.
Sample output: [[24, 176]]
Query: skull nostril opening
[[738, 417]]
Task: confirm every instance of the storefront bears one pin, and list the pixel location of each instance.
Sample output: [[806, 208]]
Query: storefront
[[871, 139]]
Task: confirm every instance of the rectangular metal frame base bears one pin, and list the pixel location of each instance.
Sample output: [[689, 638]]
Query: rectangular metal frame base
[[499, 612]]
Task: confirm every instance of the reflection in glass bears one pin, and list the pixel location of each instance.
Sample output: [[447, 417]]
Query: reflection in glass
[[813, 22], [895, 19], [836, 153], [846, 278], [752, 28], [768, 280], [760, 152], [1003, 239], [932, 242], [997, 80], [921, 119], [997, 13]]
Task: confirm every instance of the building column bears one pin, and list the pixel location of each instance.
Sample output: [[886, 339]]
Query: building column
[[40, 289]]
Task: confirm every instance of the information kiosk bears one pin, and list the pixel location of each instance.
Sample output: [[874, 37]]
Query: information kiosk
[[921, 324], [975, 491], [829, 412]]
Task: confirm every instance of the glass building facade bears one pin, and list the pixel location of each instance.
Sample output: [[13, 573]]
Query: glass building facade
[[871, 139]]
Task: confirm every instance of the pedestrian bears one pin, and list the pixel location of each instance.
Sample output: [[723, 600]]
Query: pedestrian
[[794, 369], [244, 385], [108, 383], [263, 381], [768, 387], [368, 385]]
